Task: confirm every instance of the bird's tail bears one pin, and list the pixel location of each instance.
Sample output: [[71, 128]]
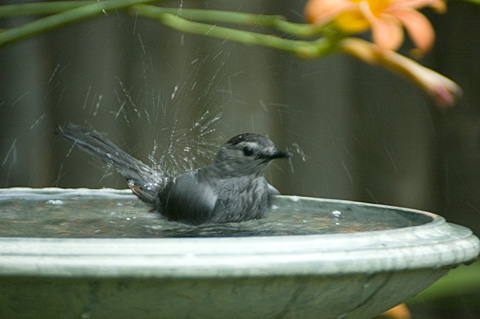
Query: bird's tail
[[142, 179]]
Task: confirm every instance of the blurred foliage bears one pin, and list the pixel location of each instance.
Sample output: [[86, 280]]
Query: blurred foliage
[[460, 281]]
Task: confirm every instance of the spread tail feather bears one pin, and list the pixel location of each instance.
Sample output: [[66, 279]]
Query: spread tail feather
[[142, 179]]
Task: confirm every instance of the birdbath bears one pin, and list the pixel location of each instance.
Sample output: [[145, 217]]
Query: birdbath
[[80, 253]]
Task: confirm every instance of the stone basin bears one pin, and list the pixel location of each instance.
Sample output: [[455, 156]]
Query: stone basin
[[80, 253]]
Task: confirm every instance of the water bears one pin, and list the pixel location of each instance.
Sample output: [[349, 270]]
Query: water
[[81, 213]]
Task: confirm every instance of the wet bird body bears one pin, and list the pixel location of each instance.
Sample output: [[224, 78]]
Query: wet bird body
[[231, 189]]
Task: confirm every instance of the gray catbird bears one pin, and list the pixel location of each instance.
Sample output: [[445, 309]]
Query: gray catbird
[[231, 189]]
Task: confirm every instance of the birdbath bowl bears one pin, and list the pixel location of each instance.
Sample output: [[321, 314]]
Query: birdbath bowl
[[79, 253]]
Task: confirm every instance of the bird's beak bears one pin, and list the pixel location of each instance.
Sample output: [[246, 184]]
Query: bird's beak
[[280, 154]]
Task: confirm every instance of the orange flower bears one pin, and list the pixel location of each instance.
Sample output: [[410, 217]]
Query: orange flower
[[384, 17], [442, 90], [398, 312]]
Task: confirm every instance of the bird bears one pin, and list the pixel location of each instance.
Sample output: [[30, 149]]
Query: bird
[[231, 189]]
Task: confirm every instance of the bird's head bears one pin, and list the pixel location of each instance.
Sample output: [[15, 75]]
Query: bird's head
[[247, 154]]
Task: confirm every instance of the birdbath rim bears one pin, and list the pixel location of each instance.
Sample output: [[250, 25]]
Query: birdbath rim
[[433, 244]]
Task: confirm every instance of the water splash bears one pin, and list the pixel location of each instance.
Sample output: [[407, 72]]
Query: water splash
[[103, 10], [336, 214], [86, 97], [53, 73], [38, 121], [141, 44], [12, 151], [55, 202], [20, 98], [177, 123], [175, 90], [97, 105], [126, 98], [180, 9], [298, 150]]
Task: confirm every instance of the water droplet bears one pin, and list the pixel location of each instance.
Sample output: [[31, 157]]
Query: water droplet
[[55, 202], [299, 151], [336, 213], [175, 89]]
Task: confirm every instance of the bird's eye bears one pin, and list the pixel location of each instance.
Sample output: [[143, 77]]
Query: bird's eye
[[247, 151]]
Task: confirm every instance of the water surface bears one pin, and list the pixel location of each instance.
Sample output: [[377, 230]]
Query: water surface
[[81, 213]]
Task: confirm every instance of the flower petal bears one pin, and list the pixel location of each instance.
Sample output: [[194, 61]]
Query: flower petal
[[323, 11], [399, 312], [387, 32], [442, 90], [418, 27]]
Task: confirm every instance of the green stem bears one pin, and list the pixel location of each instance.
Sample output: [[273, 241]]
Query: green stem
[[65, 12], [66, 17], [304, 49], [40, 8], [275, 21]]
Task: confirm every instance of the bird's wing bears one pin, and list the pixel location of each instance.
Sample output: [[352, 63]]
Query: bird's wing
[[189, 200], [272, 190]]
